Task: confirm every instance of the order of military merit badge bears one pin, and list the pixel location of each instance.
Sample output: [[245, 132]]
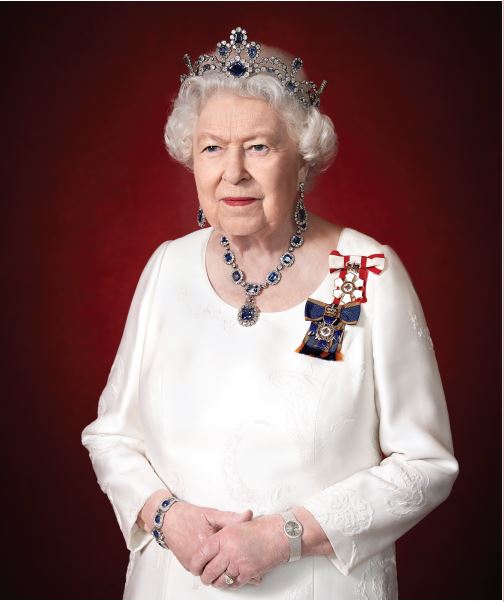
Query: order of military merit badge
[[328, 320]]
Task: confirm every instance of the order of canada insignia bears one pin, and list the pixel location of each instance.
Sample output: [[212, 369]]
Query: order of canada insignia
[[328, 320]]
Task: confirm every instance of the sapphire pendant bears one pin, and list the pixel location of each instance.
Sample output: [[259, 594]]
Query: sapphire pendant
[[248, 314]]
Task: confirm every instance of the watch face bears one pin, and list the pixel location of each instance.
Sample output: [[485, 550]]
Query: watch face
[[292, 529]]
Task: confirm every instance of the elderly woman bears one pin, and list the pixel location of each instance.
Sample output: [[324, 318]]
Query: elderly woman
[[274, 418]]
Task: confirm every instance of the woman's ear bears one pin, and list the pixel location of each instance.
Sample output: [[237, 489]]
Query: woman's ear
[[303, 171]]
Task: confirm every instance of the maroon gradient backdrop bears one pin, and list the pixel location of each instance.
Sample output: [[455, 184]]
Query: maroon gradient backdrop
[[89, 192]]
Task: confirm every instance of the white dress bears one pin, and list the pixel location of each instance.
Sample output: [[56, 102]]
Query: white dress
[[233, 418]]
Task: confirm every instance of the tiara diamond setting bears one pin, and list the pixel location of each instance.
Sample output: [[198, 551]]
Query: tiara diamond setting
[[240, 58]]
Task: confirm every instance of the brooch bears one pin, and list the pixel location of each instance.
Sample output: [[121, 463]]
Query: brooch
[[328, 320]]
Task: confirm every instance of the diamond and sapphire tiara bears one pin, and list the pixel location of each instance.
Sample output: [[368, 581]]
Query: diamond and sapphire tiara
[[229, 60]]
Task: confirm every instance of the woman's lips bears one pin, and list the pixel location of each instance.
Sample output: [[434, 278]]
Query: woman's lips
[[238, 200]]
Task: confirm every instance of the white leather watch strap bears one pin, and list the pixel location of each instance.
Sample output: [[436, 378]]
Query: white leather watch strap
[[293, 529]]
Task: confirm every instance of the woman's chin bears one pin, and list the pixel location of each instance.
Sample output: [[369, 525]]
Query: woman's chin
[[240, 226]]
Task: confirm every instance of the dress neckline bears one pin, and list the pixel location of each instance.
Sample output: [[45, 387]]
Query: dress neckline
[[282, 312]]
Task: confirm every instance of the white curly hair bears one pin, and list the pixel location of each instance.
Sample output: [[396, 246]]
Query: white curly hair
[[313, 131]]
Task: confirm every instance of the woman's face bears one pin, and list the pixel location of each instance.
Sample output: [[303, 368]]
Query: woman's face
[[241, 148]]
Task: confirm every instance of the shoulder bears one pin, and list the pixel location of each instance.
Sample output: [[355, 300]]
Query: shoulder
[[354, 242], [179, 247], [191, 239]]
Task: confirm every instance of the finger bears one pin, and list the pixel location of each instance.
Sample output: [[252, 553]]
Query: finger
[[220, 582], [221, 518], [207, 550], [214, 569]]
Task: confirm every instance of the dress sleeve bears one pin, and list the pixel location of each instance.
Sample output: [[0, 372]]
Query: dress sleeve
[[115, 439], [366, 512]]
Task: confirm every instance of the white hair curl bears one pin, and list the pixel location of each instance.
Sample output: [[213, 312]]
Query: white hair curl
[[312, 130]]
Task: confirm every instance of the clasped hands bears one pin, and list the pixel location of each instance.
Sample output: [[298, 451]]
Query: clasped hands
[[210, 542]]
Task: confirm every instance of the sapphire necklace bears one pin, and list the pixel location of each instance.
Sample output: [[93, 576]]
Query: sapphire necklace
[[248, 314]]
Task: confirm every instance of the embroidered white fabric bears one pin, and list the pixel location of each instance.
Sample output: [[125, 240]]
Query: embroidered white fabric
[[234, 418]]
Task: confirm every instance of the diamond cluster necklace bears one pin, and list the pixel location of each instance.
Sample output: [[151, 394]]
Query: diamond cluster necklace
[[248, 314]]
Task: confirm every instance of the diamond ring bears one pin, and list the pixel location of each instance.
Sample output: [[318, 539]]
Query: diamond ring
[[229, 579]]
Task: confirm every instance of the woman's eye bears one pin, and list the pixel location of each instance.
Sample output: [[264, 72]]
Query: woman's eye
[[211, 147], [259, 147]]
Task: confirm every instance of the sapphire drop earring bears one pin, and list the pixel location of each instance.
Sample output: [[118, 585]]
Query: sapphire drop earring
[[300, 215], [201, 218]]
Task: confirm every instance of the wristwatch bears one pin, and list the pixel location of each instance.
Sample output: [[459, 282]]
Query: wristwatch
[[293, 529]]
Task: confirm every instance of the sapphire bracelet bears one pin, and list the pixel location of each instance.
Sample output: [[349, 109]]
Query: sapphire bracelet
[[159, 518]]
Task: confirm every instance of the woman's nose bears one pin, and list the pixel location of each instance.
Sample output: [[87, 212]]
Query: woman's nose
[[235, 170]]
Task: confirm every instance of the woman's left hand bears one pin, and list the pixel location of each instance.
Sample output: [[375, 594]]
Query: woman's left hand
[[245, 551]]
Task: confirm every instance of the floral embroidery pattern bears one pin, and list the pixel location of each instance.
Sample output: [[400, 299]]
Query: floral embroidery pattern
[[293, 415], [262, 498], [379, 580], [408, 486], [346, 565], [420, 327], [343, 510], [300, 592]]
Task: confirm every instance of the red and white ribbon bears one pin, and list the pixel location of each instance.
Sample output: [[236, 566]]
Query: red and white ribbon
[[374, 263], [350, 285]]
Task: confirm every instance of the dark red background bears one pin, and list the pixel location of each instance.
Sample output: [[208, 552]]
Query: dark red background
[[88, 192]]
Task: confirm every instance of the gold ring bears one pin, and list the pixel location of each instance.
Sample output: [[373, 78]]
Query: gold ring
[[229, 579]]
